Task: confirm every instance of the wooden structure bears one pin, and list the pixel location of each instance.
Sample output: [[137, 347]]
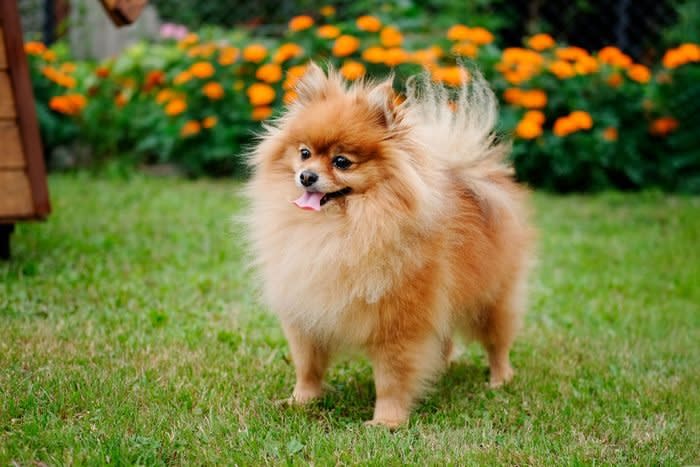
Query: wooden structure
[[23, 191]]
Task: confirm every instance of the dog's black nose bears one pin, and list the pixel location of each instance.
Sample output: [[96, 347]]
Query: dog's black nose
[[308, 178]]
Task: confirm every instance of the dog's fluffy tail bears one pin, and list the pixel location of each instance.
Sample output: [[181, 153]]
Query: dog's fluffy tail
[[457, 125]]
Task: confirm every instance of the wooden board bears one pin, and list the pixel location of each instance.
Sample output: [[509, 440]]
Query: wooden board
[[3, 55], [15, 194], [11, 156], [7, 101]]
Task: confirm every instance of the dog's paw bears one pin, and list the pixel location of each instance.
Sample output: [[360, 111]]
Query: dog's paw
[[302, 396], [499, 378], [390, 424]]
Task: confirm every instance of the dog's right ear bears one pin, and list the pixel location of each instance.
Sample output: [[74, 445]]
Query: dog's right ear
[[312, 85]]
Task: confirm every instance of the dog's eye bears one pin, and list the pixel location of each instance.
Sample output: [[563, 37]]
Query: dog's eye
[[305, 154], [342, 162]]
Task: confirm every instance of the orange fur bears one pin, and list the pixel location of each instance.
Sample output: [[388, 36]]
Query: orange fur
[[433, 237]]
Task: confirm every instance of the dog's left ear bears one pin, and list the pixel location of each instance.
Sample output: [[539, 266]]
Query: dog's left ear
[[382, 100]]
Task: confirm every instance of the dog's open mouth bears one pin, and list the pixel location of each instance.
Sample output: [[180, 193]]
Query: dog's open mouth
[[313, 200]]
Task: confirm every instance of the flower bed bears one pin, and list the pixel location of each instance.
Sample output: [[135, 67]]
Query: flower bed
[[579, 120]]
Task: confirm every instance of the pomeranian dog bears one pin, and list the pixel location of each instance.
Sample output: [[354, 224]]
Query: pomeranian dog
[[388, 227]]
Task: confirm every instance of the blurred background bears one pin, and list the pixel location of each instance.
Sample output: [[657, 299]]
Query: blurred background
[[596, 94]]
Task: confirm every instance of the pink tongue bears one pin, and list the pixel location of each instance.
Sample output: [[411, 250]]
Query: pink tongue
[[310, 201]]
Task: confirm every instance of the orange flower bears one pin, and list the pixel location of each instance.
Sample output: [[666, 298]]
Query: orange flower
[[352, 70], [213, 91], [528, 129], [564, 126], [480, 36], [518, 65], [34, 48], [153, 78], [540, 42], [513, 95], [49, 55], [663, 126], [269, 73], [293, 75], [535, 116], [425, 57], [328, 10], [562, 69], [68, 67], [121, 100], [210, 122], [465, 49], [58, 77], [374, 55], [614, 80], [188, 40], [390, 37], [202, 70], [610, 134], [639, 73], [328, 31], [368, 23], [261, 113], [182, 78], [190, 128], [69, 104], [451, 75], [395, 56], [203, 50], [458, 32], [255, 53], [571, 54], [673, 58], [690, 52], [289, 97], [102, 72], [175, 107], [287, 51], [228, 55], [582, 119], [534, 99], [300, 23], [345, 45], [586, 65], [260, 94], [614, 56], [165, 95]]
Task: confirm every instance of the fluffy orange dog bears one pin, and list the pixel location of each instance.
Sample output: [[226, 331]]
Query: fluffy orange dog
[[387, 228]]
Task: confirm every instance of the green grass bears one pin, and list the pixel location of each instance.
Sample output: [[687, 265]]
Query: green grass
[[130, 334]]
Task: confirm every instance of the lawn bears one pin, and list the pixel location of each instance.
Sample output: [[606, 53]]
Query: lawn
[[130, 334]]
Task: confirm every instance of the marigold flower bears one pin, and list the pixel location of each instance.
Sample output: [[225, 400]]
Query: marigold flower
[[287, 51], [582, 119], [614, 56], [49, 56], [395, 56], [190, 128], [203, 50], [564, 126], [614, 80], [639, 73], [345, 45], [328, 31], [528, 129], [293, 75], [512, 95], [571, 54], [213, 91], [261, 94], [68, 67], [562, 69], [450, 75], [423, 57], [374, 55], [165, 95], [300, 23], [690, 51], [390, 37], [534, 99], [34, 48], [175, 107], [465, 49], [269, 73], [352, 70], [535, 116], [541, 42], [255, 53], [610, 134], [458, 32], [327, 10], [202, 70], [121, 99], [58, 77], [261, 113], [69, 104], [182, 78], [153, 78], [210, 122], [228, 55], [102, 72], [480, 36], [663, 126], [586, 65], [368, 23], [188, 40]]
